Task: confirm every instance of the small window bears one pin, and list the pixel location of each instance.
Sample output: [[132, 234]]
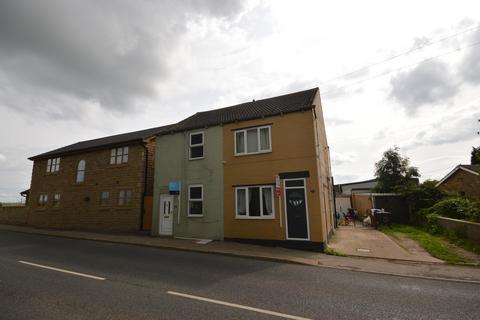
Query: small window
[[124, 197], [56, 199], [81, 171], [294, 183], [254, 202], [42, 200], [104, 198], [53, 165], [195, 200], [119, 155], [253, 140], [196, 145]]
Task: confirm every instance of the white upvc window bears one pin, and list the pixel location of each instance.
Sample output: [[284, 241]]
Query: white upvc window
[[53, 165], [253, 140], [81, 171], [56, 199], [195, 200], [254, 202], [196, 145], [119, 155], [124, 197], [104, 198], [42, 199]]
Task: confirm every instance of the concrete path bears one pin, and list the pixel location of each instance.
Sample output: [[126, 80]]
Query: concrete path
[[438, 271], [368, 242]]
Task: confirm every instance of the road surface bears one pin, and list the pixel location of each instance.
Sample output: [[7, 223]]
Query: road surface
[[56, 278]]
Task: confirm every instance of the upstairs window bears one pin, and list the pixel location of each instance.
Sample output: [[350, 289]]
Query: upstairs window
[[81, 171], [254, 202], [196, 145], [195, 200], [42, 200], [253, 140], [53, 165], [119, 155], [124, 197]]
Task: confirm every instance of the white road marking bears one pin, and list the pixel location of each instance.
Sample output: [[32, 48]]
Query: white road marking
[[239, 306], [62, 270]]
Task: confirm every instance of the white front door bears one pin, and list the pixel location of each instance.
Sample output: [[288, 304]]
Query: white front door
[[166, 214]]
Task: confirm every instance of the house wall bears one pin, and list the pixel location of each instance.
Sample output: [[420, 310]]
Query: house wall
[[79, 206], [462, 181], [293, 149], [324, 170], [173, 164]]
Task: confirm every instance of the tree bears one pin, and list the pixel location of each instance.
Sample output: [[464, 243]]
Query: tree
[[475, 156], [394, 172]]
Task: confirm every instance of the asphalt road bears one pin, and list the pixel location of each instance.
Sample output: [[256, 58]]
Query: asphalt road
[[150, 283]]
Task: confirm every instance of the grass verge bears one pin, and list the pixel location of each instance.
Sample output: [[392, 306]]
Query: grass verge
[[332, 252], [435, 245]]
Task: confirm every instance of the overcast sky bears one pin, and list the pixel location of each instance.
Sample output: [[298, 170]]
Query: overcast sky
[[403, 73]]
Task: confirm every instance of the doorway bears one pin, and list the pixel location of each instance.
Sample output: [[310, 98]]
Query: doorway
[[296, 209], [166, 214]]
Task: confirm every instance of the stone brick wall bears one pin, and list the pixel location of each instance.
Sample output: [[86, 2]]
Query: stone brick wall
[[79, 206], [13, 215], [467, 229], [463, 182]]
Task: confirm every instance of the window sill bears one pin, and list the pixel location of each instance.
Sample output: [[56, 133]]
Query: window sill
[[255, 218], [195, 216], [251, 153], [123, 207], [112, 166], [52, 173], [193, 159]]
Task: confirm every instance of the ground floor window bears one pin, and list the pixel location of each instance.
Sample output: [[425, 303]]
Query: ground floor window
[[42, 199], [195, 200], [124, 197], [104, 198], [254, 202], [56, 199]]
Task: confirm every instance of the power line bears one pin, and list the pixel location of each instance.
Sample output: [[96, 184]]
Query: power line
[[401, 68], [399, 55]]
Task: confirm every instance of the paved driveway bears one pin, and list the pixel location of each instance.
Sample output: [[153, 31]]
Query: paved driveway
[[368, 242]]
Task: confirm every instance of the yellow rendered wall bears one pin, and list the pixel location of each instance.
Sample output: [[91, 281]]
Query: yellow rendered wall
[[293, 149]]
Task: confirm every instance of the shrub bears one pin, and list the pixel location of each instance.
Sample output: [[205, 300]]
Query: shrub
[[456, 208]]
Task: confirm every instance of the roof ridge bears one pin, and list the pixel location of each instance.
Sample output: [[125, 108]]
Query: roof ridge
[[259, 100]]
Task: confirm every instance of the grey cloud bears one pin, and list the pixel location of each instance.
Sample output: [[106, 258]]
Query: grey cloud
[[112, 53], [461, 126], [334, 121], [428, 83], [339, 159], [470, 66]]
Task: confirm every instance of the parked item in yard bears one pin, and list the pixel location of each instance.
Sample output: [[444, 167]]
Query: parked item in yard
[[367, 221], [380, 216]]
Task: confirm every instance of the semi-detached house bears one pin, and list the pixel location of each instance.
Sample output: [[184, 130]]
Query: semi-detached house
[[226, 167], [100, 184], [256, 171]]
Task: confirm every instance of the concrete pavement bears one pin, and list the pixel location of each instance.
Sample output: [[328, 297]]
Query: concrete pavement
[[369, 242], [143, 283], [370, 265]]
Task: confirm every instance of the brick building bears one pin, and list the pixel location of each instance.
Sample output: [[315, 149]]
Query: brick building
[[464, 180], [104, 183]]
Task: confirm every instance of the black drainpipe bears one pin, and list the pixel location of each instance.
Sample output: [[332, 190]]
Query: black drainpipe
[[334, 203], [142, 204]]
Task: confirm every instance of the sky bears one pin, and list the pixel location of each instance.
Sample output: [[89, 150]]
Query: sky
[[403, 73]]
